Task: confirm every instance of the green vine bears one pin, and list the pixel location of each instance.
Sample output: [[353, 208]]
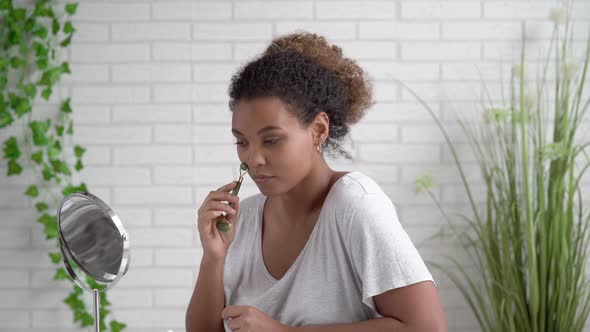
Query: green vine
[[30, 66]]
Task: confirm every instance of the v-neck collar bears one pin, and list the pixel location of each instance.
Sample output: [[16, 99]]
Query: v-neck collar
[[307, 244]]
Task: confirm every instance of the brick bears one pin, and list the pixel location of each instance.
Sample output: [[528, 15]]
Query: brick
[[134, 217], [112, 135], [116, 175], [130, 298], [399, 153], [440, 51], [247, 51], [383, 70], [276, 10], [151, 31], [214, 72], [435, 10], [15, 238], [156, 277], [152, 195], [476, 71], [172, 297], [481, 30], [14, 278], [112, 12], [175, 216], [232, 31], [202, 11], [24, 258], [330, 30], [431, 133], [179, 257], [14, 318], [212, 113], [399, 30], [224, 153], [173, 134], [13, 198], [213, 134], [355, 10], [152, 154], [88, 114], [192, 175], [110, 94], [210, 93], [161, 237], [369, 50], [86, 32], [110, 52], [443, 91], [514, 11], [169, 319], [167, 93], [151, 72], [385, 91], [82, 73], [374, 133], [192, 52], [152, 113]]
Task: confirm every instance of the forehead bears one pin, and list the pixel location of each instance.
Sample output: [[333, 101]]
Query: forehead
[[250, 115]]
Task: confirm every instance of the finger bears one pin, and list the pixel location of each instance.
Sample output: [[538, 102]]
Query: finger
[[219, 206], [235, 324], [228, 186], [232, 311]]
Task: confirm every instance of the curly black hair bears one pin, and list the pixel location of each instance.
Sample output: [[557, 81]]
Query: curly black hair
[[310, 76]]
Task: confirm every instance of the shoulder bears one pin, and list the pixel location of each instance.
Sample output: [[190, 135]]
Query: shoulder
[[357, 191]]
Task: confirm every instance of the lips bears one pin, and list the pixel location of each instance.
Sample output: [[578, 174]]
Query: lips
[[262, 178]]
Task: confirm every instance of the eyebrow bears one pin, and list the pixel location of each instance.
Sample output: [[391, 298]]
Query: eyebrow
[[267, 128]]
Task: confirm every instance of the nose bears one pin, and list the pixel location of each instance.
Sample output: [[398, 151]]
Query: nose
[[255, 158]]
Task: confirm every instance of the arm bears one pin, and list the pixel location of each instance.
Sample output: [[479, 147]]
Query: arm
[[207, 301], [414, 308]]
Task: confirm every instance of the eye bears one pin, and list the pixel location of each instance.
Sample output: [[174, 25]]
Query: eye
[[270, 142]]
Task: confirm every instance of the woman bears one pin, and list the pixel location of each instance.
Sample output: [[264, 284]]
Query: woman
[[316, 249]]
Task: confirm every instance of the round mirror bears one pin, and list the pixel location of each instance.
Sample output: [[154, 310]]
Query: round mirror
[[93, 243]]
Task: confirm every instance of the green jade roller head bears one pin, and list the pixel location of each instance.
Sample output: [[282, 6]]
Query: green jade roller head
[[222, 225]]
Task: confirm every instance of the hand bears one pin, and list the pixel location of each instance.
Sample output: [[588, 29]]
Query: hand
[[249, 319], [214, 242]]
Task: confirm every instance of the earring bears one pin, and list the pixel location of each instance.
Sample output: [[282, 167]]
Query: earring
[[318, 148]]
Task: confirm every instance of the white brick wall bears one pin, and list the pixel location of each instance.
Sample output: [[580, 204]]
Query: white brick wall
[[149, 91]]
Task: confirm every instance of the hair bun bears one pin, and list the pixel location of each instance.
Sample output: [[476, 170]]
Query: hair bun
[[358, 88]]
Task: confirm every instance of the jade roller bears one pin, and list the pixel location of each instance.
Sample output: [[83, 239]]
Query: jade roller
[[222, 225]]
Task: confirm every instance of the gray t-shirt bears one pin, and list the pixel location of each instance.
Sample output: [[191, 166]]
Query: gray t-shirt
[[357, 249]]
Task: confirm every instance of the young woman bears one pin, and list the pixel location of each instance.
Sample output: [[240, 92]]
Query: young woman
[[316, 249]]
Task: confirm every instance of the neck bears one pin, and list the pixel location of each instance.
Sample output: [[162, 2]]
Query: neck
[[304, 200]]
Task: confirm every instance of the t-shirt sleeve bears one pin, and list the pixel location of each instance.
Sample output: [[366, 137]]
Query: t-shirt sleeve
[[382, 253]]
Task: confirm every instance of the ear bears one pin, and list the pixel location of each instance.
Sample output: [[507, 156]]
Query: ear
[[320, 128]]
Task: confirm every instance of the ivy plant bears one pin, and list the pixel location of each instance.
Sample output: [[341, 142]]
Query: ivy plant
[[31, 38]]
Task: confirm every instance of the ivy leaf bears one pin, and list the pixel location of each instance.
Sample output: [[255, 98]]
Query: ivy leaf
[[103, 300], [68, 27], [11, 150], [40, 129], [71, 127], [79, 151], [66, 41], [59, 130], [60, 167], [47, 172], [65, 68], [54, 151], [117, 326], [19, 14], [71, 8], [30, 90], [61, 274], [79, 165], [74, 302], [40, 50], [65, 106], [14, 168], [23, 107], [51, 231], [37, 157], [46, 93], [55, 26], [41, 207], [32, 191], [47, 219], [55, 257], [42, 63], [40, 31], [5, 4], [5, 118], [87, 319], [30, 24]]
